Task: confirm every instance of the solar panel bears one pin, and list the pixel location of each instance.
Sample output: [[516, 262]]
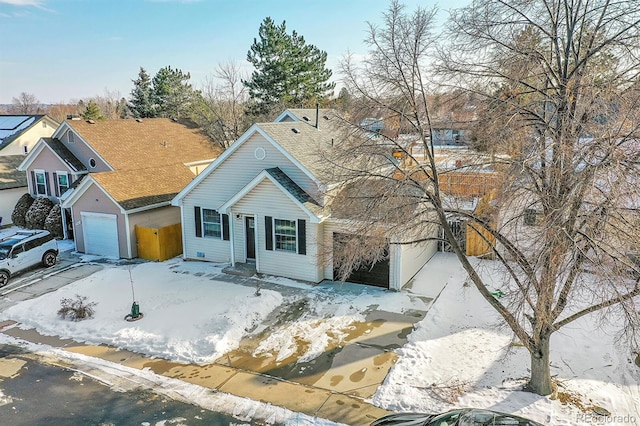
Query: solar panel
[[12, 124]]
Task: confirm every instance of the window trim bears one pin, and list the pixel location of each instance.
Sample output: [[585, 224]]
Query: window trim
[[204, 228], [62, 173], [294, 236], [37, 172]]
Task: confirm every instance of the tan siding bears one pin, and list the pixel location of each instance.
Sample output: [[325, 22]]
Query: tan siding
[[267, 200], [95, 201], [156, 218], [222, 184], [8, 200]]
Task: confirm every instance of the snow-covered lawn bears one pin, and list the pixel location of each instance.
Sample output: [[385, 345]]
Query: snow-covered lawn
[[457, 356], [461, 355]]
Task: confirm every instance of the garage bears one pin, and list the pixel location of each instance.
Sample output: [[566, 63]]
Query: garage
[[375, 275], [100, 233]]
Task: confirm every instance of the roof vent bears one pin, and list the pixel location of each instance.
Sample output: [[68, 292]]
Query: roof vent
[[305, 118], [294, 130], [91, 121], [139, 120]]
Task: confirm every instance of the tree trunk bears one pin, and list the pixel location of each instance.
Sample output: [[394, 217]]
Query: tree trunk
[[540, 382]]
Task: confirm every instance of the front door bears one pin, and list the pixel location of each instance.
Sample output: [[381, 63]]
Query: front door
[[250, 237]]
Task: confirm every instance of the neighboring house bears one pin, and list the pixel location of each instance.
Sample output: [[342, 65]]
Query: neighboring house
[[111, 175], [13, 184], [18, 135], [451, 133], [264, 201]]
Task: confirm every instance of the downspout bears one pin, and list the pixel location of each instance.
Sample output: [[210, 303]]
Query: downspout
[[64, 224], [127, 228]]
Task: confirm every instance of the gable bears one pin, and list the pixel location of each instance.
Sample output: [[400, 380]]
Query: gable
[[249, 159], [269, 200]]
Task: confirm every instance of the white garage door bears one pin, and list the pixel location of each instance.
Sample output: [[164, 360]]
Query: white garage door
[[100, 233]]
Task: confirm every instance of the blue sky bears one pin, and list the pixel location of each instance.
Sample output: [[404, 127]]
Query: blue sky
[[65, 50]]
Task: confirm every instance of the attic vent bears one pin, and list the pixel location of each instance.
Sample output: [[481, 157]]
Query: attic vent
[[164, 143], [326, 117], [139, 120], [294, 130], [91, 122], [305, 118]]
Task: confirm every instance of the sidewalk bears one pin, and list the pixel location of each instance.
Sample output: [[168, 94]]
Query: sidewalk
[[310, 400]]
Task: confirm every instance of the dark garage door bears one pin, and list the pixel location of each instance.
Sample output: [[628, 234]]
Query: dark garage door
[[376, 275]]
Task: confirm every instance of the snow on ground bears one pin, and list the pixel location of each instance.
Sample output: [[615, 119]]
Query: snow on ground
[[123, 378], [461, 355], [186, 317]]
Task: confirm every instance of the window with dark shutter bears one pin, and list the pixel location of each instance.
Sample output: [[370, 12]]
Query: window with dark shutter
[[55, 187], [46, 179], [225, 227], [268, 229], [198, 220], [302, 236]]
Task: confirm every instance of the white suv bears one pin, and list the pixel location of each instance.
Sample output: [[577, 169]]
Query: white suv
[[25, 249]]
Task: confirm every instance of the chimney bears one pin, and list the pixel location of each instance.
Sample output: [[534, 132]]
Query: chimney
[[317, 114]]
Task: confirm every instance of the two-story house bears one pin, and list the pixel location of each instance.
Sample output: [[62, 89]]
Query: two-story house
[[264, 202], [18, 136], [110, 175]]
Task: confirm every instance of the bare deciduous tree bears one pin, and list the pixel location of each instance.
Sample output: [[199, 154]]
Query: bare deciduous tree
[[220, 109], [560, 80], [26, 103]]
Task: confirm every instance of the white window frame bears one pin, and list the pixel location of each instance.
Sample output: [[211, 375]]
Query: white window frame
[[278, 237], [214, 223], [44, 179], [62, 173]]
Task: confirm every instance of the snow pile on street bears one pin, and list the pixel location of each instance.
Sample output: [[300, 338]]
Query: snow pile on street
[[186, 317], [127, 379], [462, 355]]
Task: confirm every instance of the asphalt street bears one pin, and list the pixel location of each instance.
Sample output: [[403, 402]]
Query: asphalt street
[[35, 393]]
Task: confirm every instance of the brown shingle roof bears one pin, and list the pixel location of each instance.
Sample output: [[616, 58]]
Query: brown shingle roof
[[148, 156], [10, 177], [151, 142], [143, 187]]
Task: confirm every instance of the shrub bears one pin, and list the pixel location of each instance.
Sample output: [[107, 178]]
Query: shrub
[[53, 222], [38, 212], [18, 217], [76, 309]]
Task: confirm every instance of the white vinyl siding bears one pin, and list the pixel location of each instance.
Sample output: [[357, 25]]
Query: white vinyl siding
[[267, 200], [411, 258], [222, 184]]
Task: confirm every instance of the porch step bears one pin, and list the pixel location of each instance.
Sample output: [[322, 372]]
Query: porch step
[[241, 269]]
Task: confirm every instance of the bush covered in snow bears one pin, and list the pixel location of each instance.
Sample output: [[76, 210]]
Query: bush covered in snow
[[38, 212], [53, 222], [18, 217], [77, 309]]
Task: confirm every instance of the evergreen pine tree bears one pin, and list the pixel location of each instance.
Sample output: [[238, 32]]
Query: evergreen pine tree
[[92, 112], [288, 72], [142, 96], [172, 93]]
